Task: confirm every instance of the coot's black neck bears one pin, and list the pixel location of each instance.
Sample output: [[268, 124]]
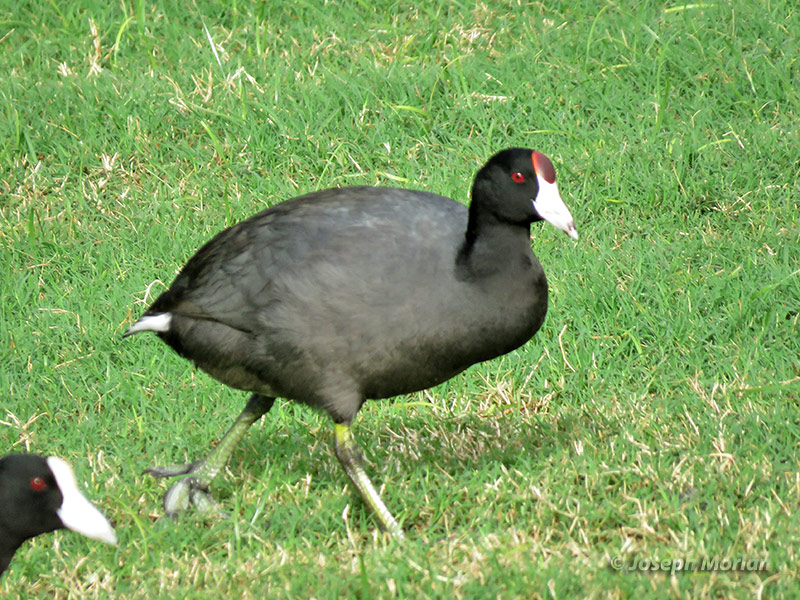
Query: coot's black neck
[[7, 549], [491, 241]]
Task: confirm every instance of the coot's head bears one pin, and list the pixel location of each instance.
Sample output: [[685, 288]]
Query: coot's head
[[519, 186], [38, 495]]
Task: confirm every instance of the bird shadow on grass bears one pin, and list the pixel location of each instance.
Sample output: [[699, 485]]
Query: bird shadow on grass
[[452, 443], [414, 453]]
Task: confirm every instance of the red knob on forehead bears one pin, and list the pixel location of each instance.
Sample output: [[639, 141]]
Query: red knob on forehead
[[543, 167]]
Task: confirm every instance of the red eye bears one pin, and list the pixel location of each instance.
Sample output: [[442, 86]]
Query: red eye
[[38, 484], [518, 177]]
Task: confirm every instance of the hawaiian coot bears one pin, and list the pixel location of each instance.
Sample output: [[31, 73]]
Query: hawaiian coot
[[358, 293], [38, 495]]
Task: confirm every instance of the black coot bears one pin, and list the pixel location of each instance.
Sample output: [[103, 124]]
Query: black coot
[[344, 295], [38, 495]]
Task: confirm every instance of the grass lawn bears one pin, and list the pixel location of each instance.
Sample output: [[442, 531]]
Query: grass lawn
[[653, 424]]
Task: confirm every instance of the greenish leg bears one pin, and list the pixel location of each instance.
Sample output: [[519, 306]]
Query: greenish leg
[[193, 489], [349, 454]]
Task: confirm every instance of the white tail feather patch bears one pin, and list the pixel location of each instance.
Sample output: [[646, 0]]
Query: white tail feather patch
[[159, 323]]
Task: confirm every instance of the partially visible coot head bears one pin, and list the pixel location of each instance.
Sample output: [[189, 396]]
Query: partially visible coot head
[[39, 495]]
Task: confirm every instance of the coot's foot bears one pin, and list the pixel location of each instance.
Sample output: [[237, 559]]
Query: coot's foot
[[189, 490], [193, 488]]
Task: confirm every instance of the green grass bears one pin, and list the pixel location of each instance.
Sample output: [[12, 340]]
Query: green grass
[[655, 416]]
